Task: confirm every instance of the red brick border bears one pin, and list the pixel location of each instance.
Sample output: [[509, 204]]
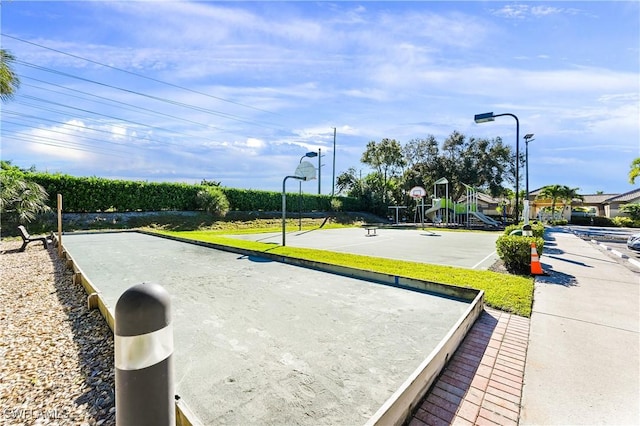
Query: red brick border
[[482, 384]]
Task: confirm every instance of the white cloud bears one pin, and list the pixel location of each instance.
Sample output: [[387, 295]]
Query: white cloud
[[255, 143]]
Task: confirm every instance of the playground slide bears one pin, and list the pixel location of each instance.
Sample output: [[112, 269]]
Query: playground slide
[[431, 212], [486, 219]]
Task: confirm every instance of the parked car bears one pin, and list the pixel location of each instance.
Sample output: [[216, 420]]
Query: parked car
[[633, 242]]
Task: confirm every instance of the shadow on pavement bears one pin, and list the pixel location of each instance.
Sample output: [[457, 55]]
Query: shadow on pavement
[[556, 277], [575, 262]]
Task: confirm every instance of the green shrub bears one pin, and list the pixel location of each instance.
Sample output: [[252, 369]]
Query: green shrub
[[558, 222], [212, 200], [633, 210], [21, 199], [336, 205], [509, 229], [515, 252], [537, 228], [626, 222], [593, 221]]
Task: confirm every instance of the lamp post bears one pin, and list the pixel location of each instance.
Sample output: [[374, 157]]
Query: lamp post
[[309, 154], [284, 205], [333, 176], [527, 138], [490, 116]]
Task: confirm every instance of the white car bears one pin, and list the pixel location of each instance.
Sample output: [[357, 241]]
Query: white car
[[633, 242]]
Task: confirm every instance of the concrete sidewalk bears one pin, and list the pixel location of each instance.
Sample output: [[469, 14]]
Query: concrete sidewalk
[[583, 359]]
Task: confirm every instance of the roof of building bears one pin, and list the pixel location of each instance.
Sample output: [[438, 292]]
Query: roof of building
[[633, 195], [630, 196], [596, 198]]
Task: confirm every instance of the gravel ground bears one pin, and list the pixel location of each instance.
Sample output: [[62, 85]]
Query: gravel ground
[[56, 356]]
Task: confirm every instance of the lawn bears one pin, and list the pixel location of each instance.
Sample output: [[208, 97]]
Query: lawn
[[506, 292]]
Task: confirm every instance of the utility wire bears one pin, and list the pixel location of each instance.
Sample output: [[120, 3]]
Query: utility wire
[[75, 134], [63, 144], [67, 123], [156, 98], [133, 107], [108, 116], [139, 75], [91, 120]]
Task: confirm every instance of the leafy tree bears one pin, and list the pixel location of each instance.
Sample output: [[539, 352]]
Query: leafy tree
[[9, 81], [365, 189], [386, 159], [635, 170], [349, 183], [480, 163]]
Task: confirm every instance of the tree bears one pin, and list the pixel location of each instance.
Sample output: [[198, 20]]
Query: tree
[[552, 192], [354, 185], [386, 159], [635, 170], [568, 195], [561, 193], [349, 183], [20, 199], [9, 81], [481, 163]]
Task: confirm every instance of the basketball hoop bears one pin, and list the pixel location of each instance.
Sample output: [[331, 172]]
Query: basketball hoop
[[306, 170], [417, 192]]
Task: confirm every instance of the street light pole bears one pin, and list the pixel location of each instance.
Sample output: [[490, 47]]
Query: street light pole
[[333, 177], [284, 205], [490, 116], [527, 138]]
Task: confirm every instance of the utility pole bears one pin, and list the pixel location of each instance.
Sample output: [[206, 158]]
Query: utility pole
[[333, 177], [319, 168]]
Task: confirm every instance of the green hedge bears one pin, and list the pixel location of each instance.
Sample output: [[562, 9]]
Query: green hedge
[[593, 221], [537, 229], [94, 194], [515, 252]]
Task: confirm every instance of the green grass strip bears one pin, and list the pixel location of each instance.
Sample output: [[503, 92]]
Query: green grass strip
[[509, 293]]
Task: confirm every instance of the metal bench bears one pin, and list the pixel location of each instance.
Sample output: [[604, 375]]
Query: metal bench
[[371, 230], [26, 238]]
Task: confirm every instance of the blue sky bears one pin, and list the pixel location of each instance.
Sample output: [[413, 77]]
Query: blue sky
[[238, 92]]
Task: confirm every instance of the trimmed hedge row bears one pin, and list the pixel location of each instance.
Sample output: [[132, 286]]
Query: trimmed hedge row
[[515, 250], [94, 194]]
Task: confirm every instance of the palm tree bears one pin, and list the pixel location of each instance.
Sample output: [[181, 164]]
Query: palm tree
[[9, 81], [554, 193], [21, 199], [568, 195], [635, 170]]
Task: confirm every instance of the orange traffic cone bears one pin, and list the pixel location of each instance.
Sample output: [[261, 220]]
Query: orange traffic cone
[[536, 267]]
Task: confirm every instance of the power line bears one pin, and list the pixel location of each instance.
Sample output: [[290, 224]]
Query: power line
[[61, 144], [108, 116], [139, 75], [156, 98], [67, 124], [71, 134], [133, 107]]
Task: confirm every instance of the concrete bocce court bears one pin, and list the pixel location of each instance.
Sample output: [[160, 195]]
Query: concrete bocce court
[[263, 341]]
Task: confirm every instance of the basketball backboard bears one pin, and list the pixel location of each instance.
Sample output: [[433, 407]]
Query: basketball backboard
[[306, 170]]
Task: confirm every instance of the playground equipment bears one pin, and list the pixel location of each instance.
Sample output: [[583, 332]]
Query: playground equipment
[[447, 212]]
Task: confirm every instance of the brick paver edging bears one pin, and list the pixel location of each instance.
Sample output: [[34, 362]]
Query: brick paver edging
[[482, 384]]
